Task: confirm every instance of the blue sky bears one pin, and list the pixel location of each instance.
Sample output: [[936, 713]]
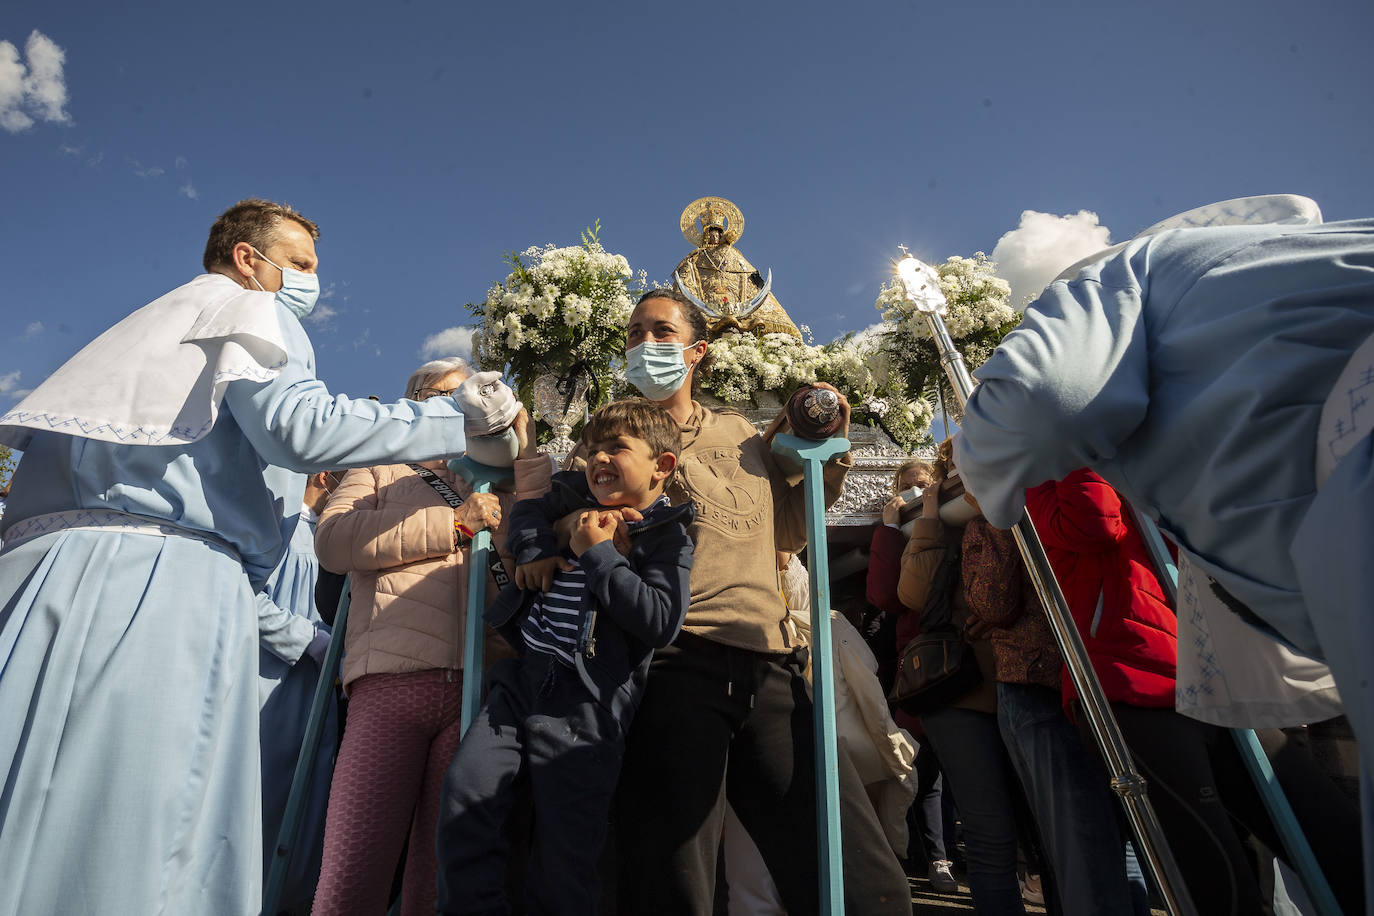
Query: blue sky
[[430, 138]]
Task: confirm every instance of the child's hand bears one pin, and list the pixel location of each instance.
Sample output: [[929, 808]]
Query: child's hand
[[592, 529], [539, 574], [621, 538]]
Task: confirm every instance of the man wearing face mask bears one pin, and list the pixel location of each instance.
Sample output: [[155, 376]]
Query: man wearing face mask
[[160, 464]]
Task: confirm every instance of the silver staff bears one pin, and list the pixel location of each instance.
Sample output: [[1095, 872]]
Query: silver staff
[[922, 285]]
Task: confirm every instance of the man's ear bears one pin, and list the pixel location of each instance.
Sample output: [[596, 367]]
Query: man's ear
[[664, 466], [242, 257]]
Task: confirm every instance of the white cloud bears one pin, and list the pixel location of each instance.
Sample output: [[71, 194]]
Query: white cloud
[[448, 342], [32, 89], [181, 163], [1030, 256], [32, 330], [320, 315], [8, 381], [188, 190], [870, 334], [152, 171]]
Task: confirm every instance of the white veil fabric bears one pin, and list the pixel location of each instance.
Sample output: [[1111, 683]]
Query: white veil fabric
[[1261, 210], [158, 376]]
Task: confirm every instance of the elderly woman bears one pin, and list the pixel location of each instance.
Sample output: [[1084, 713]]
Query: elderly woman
[[406, 549]]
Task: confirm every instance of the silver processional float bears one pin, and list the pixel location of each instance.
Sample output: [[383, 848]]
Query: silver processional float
[[922, 286]]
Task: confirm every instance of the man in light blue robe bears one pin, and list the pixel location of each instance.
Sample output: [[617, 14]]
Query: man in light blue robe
[[292, 641], [1189, 369], [159, 464]]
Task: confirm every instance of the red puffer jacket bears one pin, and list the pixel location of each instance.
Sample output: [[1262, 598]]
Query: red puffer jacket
[[1102, 566]]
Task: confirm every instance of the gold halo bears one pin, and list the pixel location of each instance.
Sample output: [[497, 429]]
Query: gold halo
[[696, 210]]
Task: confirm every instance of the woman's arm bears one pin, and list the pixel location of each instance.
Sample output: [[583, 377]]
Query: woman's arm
[[789, 499], [885, 569], [920, 559]]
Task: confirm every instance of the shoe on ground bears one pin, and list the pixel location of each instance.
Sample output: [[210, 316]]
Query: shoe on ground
[[1031, 891], [940, 879]]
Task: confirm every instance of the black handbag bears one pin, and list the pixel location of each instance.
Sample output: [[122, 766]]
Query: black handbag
[[938, 666]]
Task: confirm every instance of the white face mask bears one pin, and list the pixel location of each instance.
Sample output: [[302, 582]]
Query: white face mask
[[299, 290], [657, 369]]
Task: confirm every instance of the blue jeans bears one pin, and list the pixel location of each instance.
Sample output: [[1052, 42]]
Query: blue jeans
[[977, 771], [928, 810], [1069, 793]]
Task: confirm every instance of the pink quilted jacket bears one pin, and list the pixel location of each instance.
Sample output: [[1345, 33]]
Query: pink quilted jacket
[[394, 534]]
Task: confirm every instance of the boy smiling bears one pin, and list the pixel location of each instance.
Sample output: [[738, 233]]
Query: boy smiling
[[586, 626]]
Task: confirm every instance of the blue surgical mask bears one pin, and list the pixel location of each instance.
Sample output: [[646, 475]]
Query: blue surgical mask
[[299, 290], [657, 369]]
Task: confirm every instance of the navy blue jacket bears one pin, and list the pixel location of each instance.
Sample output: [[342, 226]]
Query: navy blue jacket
[[631, 605]]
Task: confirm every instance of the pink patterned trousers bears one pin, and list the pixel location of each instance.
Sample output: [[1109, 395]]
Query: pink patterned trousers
[[401, 733]]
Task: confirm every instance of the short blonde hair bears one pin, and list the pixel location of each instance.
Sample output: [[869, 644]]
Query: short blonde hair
[[908, 465]]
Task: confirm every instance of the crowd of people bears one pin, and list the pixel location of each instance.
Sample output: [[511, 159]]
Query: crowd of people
[[189, 493]]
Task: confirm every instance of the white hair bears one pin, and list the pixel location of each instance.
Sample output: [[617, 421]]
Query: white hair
[[432, 371]]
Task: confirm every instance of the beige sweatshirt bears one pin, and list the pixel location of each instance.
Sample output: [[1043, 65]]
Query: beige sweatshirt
[[748, 507]]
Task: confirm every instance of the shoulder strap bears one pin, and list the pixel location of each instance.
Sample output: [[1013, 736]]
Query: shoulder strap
[[443, 489], [494, 564], [939, 609]]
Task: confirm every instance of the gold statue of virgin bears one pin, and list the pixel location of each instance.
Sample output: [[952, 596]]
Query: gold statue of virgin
[[720, 280]]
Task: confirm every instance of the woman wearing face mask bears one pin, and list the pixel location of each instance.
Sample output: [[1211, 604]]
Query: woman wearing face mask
[[726, 714], [407, 551]]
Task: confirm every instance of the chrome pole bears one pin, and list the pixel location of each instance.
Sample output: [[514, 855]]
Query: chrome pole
[[1126, 781]]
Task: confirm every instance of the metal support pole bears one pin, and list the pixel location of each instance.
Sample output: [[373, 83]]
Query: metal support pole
[[1125, 780], [482, 477], [812, 456], [305, 761]]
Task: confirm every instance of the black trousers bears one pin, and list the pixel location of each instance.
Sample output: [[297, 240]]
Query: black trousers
[[1205, 800], [721, 723], [541, 728]]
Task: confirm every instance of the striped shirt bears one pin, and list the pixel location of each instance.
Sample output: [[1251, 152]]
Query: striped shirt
[[555, 617]]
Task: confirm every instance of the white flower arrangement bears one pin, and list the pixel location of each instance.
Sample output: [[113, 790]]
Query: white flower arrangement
[[744, 366], [979, 316], [861, 367], [557, 308], [977, 299]]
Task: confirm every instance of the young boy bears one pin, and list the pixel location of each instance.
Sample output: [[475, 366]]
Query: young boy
[[586, 621]]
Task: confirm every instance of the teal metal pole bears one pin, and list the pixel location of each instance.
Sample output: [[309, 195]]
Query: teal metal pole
[[1252, 753], [482, 477], [305, 761], [812, 456]]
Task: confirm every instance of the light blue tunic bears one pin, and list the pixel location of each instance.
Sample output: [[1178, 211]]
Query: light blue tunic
[[128, 661], [1190, 370], [287, 622]]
